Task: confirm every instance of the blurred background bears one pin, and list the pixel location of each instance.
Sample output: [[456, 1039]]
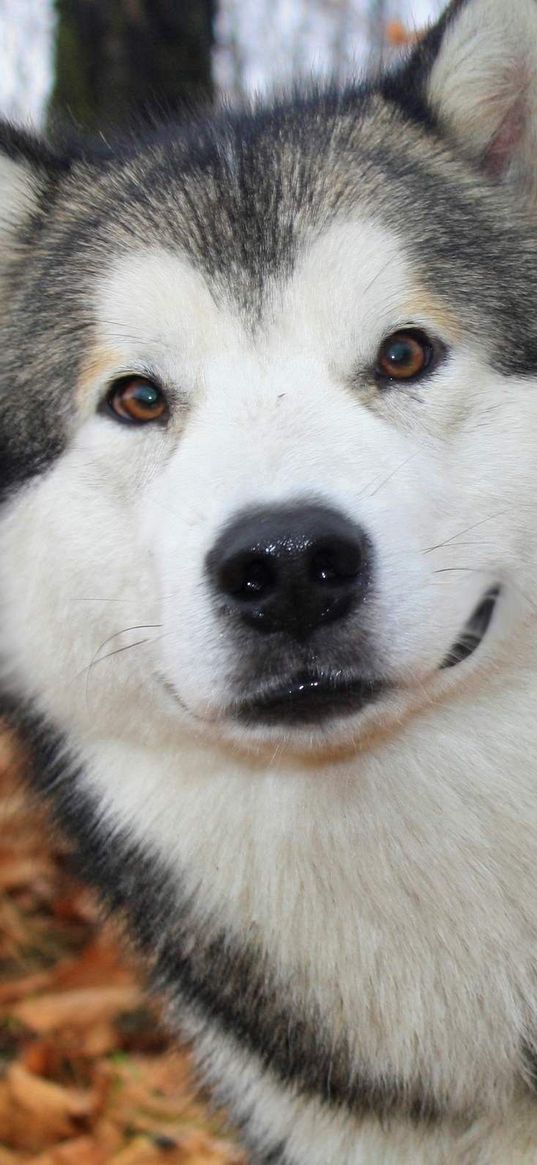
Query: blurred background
[[107, 62], [88, 1075]]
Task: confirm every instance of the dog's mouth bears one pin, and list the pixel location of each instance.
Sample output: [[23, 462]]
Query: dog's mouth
[[309, 698], [474, 631]]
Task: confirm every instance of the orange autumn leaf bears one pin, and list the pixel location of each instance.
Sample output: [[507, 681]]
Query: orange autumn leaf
[[34, 1094], [76, 1009], [16, 989], [20, 870], [398, 35], [37, 1112], [140, 1151], [8, 1158], [80, 1151], [99, 964]]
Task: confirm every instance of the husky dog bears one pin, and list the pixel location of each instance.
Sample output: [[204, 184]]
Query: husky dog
[[268, 583]]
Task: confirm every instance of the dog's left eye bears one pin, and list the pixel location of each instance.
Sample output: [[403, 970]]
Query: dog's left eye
[[137, 400], [405, 356]]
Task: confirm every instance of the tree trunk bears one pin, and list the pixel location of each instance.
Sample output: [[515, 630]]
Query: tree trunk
[[377, 21], [122, 61]]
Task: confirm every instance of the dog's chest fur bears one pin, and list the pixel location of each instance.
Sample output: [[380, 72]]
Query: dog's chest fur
[[345, 944]]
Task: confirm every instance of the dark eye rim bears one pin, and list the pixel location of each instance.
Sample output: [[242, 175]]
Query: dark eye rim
[[122, 381], [437, 352]]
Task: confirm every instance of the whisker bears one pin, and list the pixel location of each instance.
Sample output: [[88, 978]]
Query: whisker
[[100, 599], [380, 272], [118, 650], [465, 531], [388, 478], [96, 658], [482, 570], [470, 569], [108, 655], [124, 630]]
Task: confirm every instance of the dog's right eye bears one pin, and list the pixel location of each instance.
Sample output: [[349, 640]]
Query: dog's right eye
[[137, 400], [405, 355]]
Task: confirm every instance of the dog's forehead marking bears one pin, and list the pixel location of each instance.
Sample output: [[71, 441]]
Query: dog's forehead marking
[[101, 363], [349, 283], [423, 305]]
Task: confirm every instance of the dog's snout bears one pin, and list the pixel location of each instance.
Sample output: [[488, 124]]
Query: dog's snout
[[291, 569]]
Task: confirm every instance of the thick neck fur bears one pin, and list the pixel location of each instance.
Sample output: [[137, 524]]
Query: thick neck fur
[[378, 897]]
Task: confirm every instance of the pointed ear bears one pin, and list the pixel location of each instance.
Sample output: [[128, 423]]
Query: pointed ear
[[27, 167], [476, 73]]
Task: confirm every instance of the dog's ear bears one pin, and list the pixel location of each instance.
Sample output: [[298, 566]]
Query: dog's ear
[[475, 74], [27, 168]]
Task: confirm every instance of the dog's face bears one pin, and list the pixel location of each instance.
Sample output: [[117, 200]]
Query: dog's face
[[280, 398]]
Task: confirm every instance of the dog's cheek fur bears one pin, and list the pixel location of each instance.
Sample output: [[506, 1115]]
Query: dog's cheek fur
[[70, 559]]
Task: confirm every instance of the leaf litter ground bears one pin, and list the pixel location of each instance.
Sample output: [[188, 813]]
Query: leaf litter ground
[[87, 1074]]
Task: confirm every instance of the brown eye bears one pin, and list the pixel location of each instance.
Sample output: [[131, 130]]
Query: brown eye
[[404, 356], [133, 398]]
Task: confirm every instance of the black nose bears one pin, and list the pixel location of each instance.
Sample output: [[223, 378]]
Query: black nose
[[291, 569]]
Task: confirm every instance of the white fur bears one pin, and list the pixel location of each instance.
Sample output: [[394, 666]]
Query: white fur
[[320, 1136], [386, 862], [386, 884]]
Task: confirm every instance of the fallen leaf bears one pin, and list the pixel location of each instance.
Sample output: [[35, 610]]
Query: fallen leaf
[[16, 989], [7, 1158], [80, 1151], [76, 1009], [98, 964], [88, 1075], [19, 870], [39, 1112], [140, 1151]]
